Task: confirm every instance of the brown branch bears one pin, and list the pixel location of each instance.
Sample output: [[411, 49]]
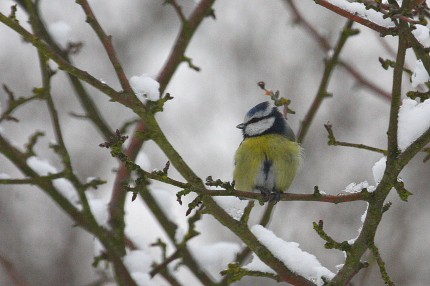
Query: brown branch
[[354, 17], [161, 267], [107, 44], [178, 9], [335, 199]]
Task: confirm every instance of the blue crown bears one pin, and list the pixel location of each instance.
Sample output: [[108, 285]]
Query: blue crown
[[258, 108]]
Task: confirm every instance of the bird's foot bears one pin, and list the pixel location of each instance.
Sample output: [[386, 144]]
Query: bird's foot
[[275, 196], [265, 193]]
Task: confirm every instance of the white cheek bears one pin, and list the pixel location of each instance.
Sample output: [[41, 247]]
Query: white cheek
[[259, 127]]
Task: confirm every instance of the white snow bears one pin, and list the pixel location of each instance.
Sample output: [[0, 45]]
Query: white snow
[[64, 187], [214, 257], [138, 261], [98, 247], [61, 32], [4, 176], [257, 265], [143, 161], [297, 260], [67, 190], [357, 187], [422, 34], [420, 76], [360, 10], [363, 218], [232, 205], [99, 209], [145, 87], [166, 200], [41, 166], [180, 234], [414, 120], [378, 169]]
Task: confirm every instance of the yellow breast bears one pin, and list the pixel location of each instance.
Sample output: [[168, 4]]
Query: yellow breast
[[284, 157]]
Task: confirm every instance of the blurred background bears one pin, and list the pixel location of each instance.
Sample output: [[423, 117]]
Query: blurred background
[[249, 41]]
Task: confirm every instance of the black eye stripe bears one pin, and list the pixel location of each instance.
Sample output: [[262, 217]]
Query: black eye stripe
[[256, 119]]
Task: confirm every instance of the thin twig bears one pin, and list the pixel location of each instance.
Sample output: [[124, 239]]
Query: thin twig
[[381, 264], [322, 90], [107, 44], [32, 181], [178, 9], [354, 17], [333, 142]]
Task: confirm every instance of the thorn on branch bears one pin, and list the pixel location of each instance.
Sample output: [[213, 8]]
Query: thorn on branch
[[211, 14], [427, 150], [32, 142], [386, 207], [317, 192], [190, 63], [194, 204], [74, 48], [12, 14], [166, 168], [331, 138], [181, 194]]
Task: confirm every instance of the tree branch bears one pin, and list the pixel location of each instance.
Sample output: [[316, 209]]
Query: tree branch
[[107, 44], [322, 93]]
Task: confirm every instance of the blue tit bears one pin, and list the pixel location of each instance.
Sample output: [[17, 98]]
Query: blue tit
[[269, 156]]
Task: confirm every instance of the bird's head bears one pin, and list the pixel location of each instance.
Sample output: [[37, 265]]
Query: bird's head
[[265, 119]]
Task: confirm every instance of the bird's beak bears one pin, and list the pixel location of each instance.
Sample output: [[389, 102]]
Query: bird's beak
[[241, 126]]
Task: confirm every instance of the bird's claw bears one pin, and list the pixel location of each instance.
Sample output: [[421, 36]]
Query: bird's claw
[[270, 196]]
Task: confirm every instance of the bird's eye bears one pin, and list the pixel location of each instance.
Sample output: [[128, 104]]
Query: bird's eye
[[253, 120]]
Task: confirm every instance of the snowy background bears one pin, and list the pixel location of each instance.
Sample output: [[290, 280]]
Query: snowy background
[[249, 41]]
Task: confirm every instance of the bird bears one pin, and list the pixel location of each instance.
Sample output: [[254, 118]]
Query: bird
[[269, 156]]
